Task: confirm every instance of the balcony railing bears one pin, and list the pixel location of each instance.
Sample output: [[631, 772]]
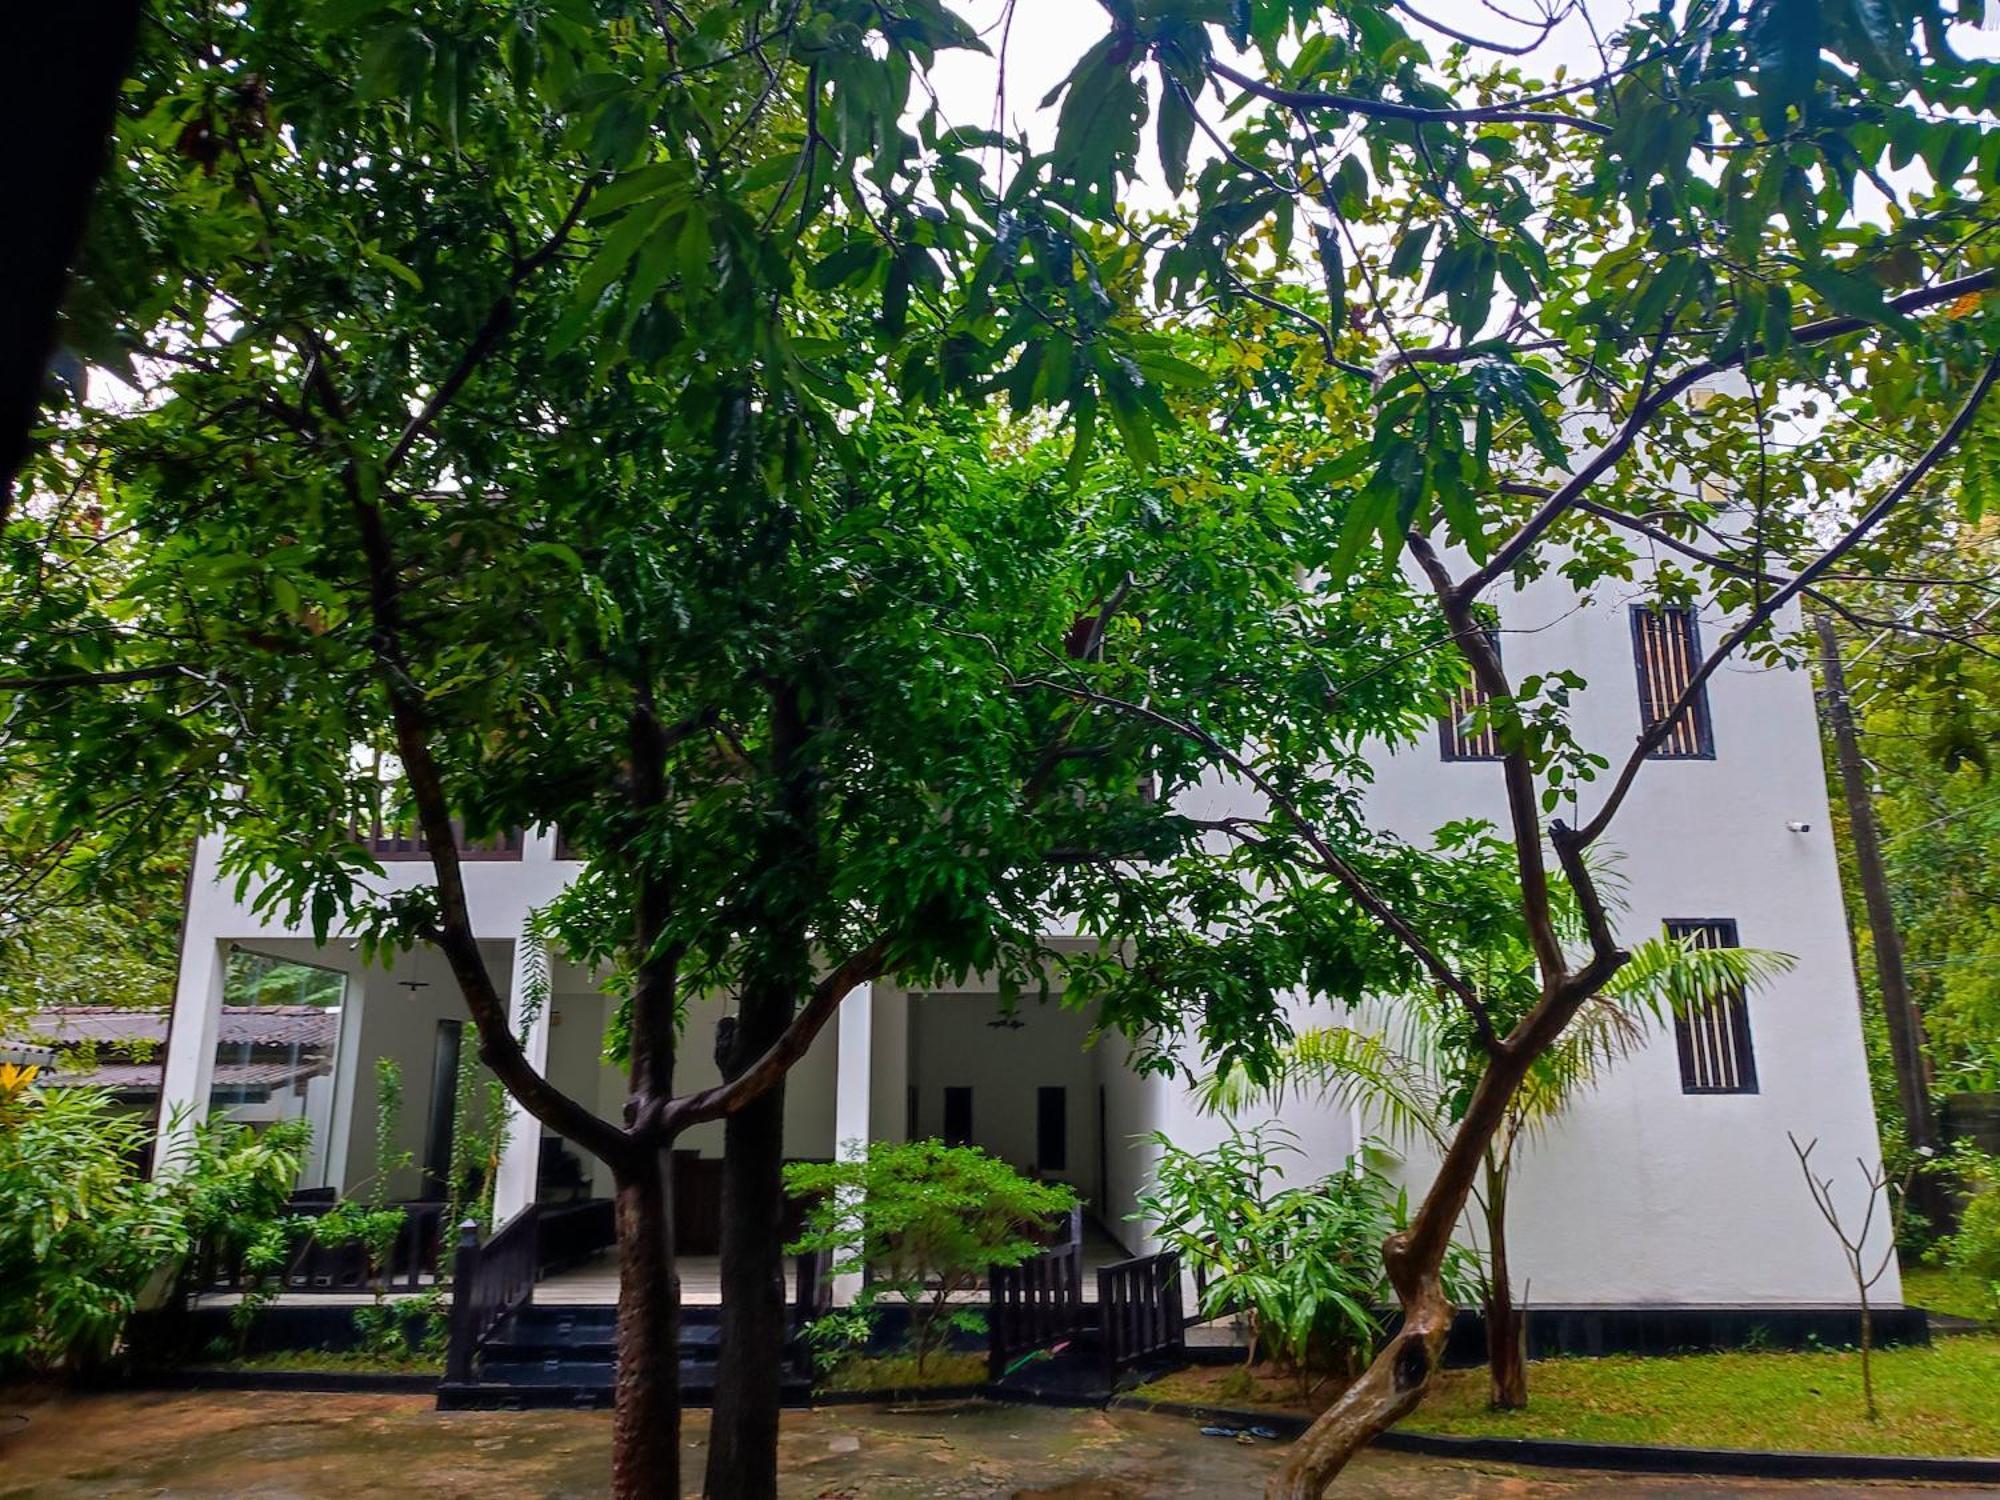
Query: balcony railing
[[392, 844]]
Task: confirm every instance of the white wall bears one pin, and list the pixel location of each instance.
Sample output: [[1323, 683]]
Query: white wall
[[1641, 1195], [952, 1044], [1135, 1107], [401, 1023]]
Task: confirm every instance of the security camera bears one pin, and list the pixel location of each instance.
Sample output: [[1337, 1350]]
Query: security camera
[[1800, 827]]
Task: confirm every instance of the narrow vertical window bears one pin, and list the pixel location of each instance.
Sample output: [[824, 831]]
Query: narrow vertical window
[[1666, 651], [1052, 1129], [958, 1116], [439, 1126], [1462, 735], [1714, 1038]]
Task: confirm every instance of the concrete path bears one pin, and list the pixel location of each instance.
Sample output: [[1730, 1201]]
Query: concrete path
[[233, 1446]]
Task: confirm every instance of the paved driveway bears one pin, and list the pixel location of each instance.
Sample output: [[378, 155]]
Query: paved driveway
[[277, 1446]]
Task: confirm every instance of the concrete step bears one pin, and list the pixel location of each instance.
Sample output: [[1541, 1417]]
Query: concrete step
[[534, 1342]]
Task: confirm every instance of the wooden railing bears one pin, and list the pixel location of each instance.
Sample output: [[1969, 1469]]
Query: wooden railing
[[315, 1267], [391, 844], [488, 1281], [1037, 1303], [1139, 1310]]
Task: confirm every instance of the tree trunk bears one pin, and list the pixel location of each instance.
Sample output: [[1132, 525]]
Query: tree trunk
[[1388, 1390], [1506, 1342], [63, 110], [743, 1440], [1906, 1032], [646, 1426], [1506, 1326]]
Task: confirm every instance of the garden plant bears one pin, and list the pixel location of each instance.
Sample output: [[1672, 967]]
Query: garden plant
[[925, 1222]]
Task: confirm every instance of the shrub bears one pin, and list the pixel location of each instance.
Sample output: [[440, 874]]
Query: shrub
[[82, 1233], [1303, 1264], [925, 1220], [1975, 1248]]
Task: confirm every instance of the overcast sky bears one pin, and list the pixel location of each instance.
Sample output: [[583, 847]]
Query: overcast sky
[[1048, 36]]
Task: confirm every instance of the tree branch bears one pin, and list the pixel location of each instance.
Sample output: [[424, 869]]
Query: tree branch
[[1652, 738], [1351, 880], [1385, 109], [499, 1048], [1566, 495], [859, 967], [1523, 802], [487, 337], [96, 679]]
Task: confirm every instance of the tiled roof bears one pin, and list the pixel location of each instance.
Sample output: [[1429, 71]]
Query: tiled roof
[[256, 1025], [142, 1080]]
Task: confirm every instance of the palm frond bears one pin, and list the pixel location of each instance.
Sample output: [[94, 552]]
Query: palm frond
[[1346, 1065], [1670, 976]]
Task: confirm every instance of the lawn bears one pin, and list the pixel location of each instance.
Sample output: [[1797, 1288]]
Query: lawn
[[898, 1372], [343, 1362], [1940, 1289], [1942, 1401]]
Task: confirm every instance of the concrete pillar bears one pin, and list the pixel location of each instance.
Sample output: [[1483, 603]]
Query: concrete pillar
[[189, 1068], [852, 1077], [528, 1014], [346, 1069]]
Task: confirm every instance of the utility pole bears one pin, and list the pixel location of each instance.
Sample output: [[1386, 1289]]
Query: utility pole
[[1906, 1031]]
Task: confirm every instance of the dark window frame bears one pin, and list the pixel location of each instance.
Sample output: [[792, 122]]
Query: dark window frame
[[954, 1093], [1052, 1144], [1717, 1052], [1698, 742], [1454, 745], [441, 1120]]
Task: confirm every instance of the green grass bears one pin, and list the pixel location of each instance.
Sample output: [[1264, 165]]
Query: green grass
[[1940, 1289], [349, 1361], [898, 1372], [1944, 1401]]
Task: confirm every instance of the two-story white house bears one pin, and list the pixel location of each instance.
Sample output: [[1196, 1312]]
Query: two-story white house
[[1670, 1184]]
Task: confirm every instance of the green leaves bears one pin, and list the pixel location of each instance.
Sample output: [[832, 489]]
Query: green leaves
[[925, 1221], [1097, 129], [1175, 133]]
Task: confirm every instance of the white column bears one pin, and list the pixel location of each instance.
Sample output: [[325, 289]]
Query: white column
[[189, 1068], [346, 1068], [528, 1014], [853, 1071]]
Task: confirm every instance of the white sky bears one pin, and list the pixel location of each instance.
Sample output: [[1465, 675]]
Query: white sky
[[1048, 36]]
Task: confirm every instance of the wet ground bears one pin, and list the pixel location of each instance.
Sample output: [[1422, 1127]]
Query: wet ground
[[228, 1444]]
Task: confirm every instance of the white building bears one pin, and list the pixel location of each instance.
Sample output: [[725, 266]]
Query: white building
[[1671, 1184]]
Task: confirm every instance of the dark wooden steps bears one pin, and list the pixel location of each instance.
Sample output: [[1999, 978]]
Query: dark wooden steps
[[566, 1357]]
